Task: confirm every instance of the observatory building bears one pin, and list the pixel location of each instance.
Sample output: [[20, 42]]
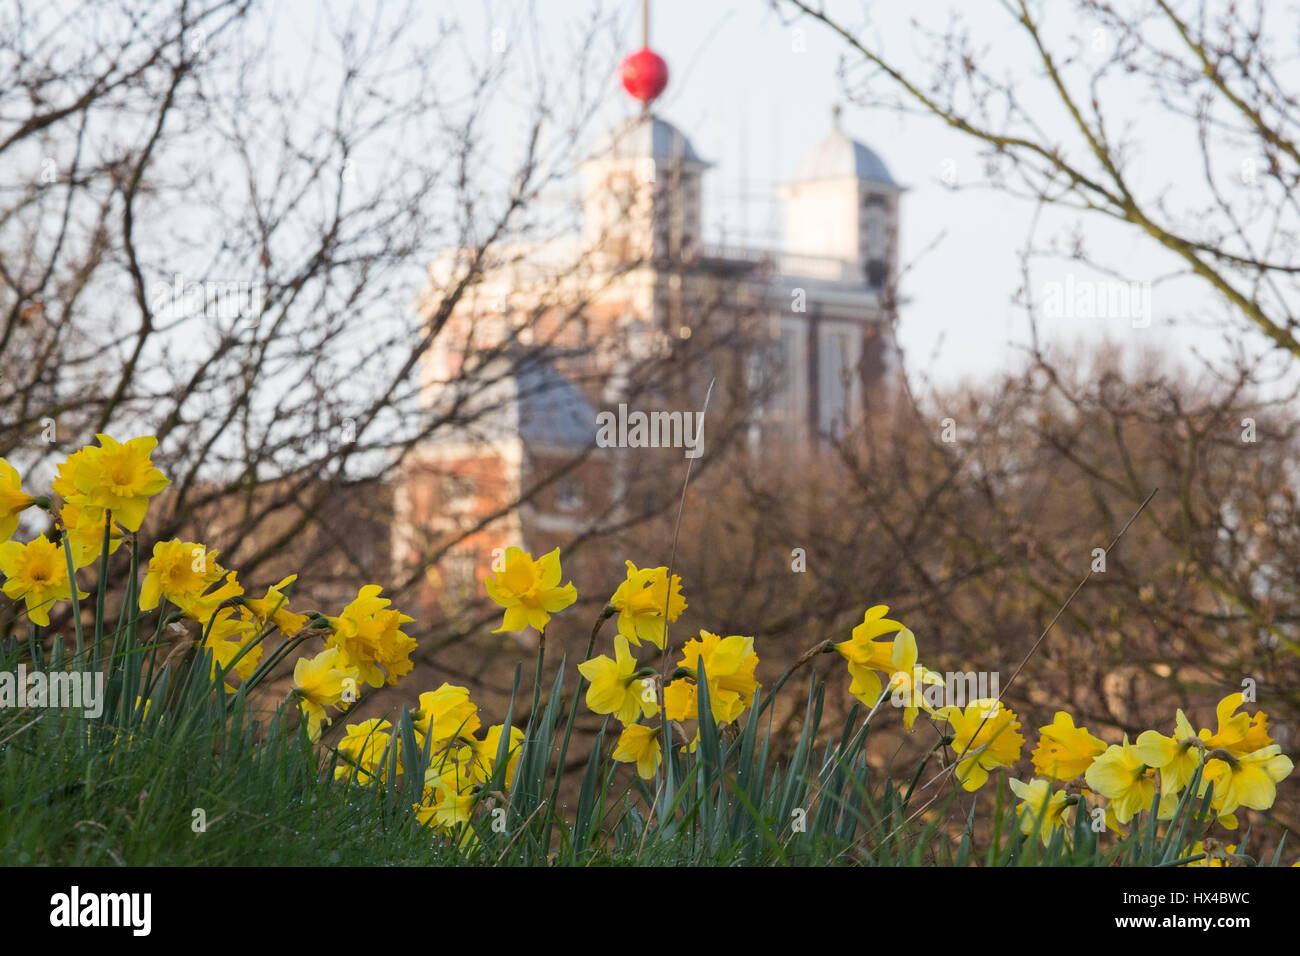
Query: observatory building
[[554, 334]]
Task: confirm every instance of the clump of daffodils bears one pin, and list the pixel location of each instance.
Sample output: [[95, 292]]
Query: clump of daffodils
[[1130, 775], [100, 499], [461, 762], [1238, 764], [645, 604], [729, 664], [100, 494]]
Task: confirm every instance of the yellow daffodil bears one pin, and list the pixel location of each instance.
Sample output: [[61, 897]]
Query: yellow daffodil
[[205, 605], [642, 600], [180, 571], [615, 689], [729, 664], [1176, 757], [227, 636], [1250, 781], [445, 806], [63, 485], [369, 636], [868, 658], [364, 748], [529, 590], [908, 680], [85, 533], [319, 682], [1239, 734], [274, 609], [1121, 777], [491, 746], [444, 714], [1064, 751], [13, 500], [461, 760], [117, 476], [639, 744], [1112, 822], [680, 700], [1169, 800], [988, 733], [37, 572], [1034, 801]]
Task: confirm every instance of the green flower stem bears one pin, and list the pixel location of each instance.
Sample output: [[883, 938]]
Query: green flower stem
[[102, 586], [128, 667], [275, 657], [605, 615], [155, 645], [76, 604], [537, 679]]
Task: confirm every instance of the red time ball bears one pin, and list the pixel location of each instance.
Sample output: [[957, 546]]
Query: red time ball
[[645, 74]]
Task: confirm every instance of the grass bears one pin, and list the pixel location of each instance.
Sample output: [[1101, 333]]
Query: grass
[[124, 789]]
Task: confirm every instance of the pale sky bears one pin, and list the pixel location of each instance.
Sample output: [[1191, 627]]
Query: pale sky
[[753, 104]]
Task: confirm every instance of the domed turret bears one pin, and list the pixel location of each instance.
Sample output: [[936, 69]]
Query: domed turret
[[839, 157], [641, 191], [843, 204], [648, 137]]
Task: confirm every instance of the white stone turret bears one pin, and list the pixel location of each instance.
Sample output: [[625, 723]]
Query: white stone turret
[[843, 204]]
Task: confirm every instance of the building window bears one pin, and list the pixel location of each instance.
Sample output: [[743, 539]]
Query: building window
[[877, 273], [874, 233], [874, 241], [837, 362], [791, 393]]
